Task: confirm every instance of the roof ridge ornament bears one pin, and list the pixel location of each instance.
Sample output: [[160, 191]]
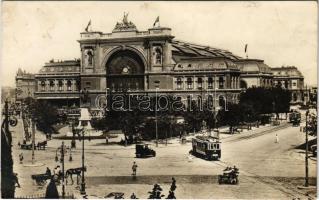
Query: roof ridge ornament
[[125, 25]]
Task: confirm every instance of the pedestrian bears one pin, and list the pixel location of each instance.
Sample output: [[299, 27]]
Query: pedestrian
[[133, 196], [16, 180], [134, 168], [21, 157], [106, 139], [48, 171], [58, 170], [173, 186], [277, 138], [190, 157]]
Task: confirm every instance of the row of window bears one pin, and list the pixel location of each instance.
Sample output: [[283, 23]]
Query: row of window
[[210, 83], [59, 84]]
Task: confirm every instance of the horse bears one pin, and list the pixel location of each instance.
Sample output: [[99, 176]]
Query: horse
[[42, 145], [76, 171]]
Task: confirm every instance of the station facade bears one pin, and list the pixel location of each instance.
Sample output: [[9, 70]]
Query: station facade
[[149, 62]]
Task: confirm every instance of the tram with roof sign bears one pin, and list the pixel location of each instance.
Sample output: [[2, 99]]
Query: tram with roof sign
[[207, 147]]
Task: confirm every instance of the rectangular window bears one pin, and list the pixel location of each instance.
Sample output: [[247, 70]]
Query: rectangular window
[[210, 83], [189, 83], [200, 83], [179, 83], [221, 82]]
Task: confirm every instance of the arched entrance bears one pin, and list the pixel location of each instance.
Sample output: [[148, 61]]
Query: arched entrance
[[243, 84], [125, 71]]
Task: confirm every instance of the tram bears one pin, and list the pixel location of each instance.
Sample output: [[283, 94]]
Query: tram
[[207, 147]]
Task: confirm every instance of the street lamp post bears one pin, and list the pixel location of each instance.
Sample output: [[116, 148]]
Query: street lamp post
[[306, 155], [33, 138], [83, 180], [62, 149], [156, 128]]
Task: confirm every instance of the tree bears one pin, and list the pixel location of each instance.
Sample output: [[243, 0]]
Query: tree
[[232, 117], [258, 100], [45, 116], [7, 175], [281, 100]]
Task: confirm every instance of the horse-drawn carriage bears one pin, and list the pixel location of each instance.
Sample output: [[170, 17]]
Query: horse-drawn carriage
[[39, 145], [41, 179], [229, 176], [25, 146]]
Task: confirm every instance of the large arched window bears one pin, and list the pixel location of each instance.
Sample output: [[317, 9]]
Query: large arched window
[[243, 84], [52, 85], [124, 68], [43, 85], [189, 83], [60, 84]]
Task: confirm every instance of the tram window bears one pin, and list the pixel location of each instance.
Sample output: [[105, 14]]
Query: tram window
[[217, 146]]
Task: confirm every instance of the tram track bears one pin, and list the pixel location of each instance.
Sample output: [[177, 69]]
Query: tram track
[[254, 135]]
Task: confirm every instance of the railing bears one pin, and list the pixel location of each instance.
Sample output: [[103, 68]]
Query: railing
[[42, 196]]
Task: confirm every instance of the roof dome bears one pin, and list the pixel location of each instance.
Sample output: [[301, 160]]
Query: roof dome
[[253, 66]]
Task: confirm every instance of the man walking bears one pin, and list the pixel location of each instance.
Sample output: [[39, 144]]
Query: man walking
[[21, 158], [134, 168]]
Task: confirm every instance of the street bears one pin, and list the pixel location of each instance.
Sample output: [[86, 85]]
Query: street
[[267, 169]]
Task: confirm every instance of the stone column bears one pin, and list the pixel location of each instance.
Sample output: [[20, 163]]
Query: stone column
[[39, 86], [228, 81], [233, 82], [47, 85], [56, 85], [64, 85], [73, 85]]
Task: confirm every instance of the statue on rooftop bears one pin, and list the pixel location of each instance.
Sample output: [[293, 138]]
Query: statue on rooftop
[[124, 25], [125, 21]]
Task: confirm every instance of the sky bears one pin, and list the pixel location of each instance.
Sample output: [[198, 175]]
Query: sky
[[280, 33]]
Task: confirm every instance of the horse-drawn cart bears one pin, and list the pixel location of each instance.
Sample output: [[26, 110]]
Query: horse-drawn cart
[[41, 179], [26, 146]]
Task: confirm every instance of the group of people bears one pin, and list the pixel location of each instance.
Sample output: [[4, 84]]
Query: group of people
[[231, 169], [171, 194], [57, 172], [156, 192]]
